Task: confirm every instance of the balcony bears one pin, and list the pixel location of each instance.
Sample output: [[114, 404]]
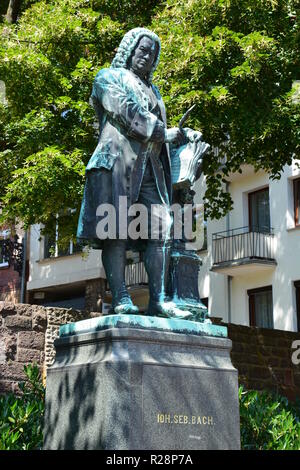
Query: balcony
[[135, 275], [243, 250]]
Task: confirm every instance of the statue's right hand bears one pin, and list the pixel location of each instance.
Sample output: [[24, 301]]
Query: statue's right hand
[[175, 136]]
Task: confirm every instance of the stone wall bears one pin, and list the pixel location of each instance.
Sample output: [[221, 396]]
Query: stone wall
[[263, 357], [27, 333], [10, 284], [55, 318], [22, 341]]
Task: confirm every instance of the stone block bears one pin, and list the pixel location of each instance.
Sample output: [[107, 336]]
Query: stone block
[[13, 371], [297, 379], [39, 321], [6, 386], [288, 378], [237, 347], [7, 308], [29, 355], [18, 322], [242, 369], [61, 316], [255, 384], [267, 340], [259, 372], [25, 309], [243, 338], [247, 359], [273, 361], [31, 340], [9, 344], [285, 362], [281, 353], [238, 329]]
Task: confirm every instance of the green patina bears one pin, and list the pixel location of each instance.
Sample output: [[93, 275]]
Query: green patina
[[143, 322]]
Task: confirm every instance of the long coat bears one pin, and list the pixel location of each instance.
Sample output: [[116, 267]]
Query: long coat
[[117, 164]]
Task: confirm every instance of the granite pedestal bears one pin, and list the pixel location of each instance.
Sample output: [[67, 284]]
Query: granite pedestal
[[127, 382]]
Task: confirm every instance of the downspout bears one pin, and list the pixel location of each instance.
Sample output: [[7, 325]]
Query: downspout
[[229, 278], [23, 275]]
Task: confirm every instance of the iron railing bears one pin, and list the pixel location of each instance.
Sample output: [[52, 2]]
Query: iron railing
[[12, 252], [135, 274], [243, 243]]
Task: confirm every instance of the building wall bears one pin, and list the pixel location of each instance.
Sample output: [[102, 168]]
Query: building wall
[[76, 281], [10, 280], [62, 270], [10, 284], [286, 245]]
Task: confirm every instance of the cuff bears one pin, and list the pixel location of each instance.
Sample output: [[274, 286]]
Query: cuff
[[159, 132]]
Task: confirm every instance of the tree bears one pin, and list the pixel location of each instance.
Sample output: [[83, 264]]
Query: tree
[[13, 11], [236, 59]]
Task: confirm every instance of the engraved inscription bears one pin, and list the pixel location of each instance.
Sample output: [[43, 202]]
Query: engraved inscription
[[168, 418]]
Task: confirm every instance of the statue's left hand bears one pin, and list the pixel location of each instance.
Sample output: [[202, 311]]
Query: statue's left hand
[[191, 135]]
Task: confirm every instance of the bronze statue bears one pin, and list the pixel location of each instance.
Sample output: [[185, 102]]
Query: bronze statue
[[132, 160]]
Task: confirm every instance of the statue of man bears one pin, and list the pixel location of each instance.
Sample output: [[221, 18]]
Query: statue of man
[[131, 159]]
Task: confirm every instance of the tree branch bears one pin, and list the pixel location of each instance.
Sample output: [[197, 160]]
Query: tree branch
[[13, 11]]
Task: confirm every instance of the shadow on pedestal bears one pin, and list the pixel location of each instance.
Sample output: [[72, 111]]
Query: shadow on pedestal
[[118, 383]]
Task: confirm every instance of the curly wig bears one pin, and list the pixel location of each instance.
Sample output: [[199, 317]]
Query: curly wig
[[128, 44]]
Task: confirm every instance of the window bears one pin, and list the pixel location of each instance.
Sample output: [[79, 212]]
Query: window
[[3, 258], [4, 235], [297, 201], [297, 287], [51, 244], [52, 249], [259, 211], [261, 307]]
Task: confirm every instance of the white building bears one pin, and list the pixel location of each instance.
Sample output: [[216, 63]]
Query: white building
[[72, 278], [251, 268]]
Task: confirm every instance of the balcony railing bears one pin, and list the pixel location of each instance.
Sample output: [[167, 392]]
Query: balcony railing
[[135, 274], [243, 243], [11, 253]]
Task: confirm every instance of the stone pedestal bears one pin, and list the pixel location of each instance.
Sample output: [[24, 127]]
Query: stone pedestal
[[128, 382]]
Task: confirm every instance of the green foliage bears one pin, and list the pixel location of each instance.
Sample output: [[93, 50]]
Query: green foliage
[[48, 61], [268, 421], [21, 417], [236, 59]]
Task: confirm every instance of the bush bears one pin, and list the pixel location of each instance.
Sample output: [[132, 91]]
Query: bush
[[268, 421], [21, 417]]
